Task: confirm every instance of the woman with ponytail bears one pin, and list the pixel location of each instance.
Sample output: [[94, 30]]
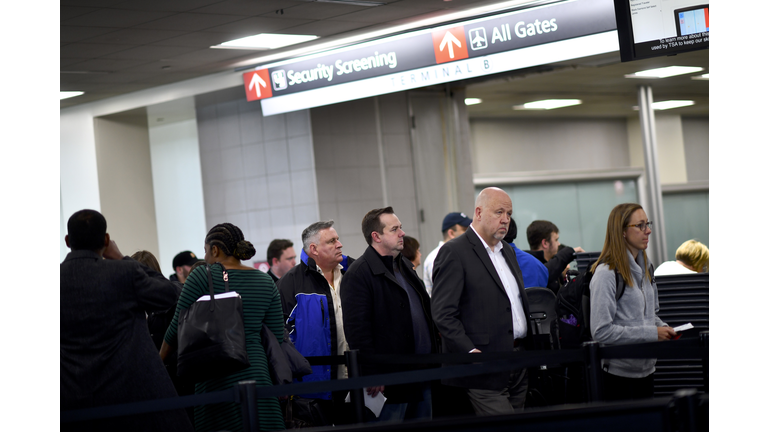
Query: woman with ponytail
[[633, 317], [225, 248]]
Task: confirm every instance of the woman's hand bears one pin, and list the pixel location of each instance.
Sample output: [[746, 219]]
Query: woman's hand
[[665, 333]]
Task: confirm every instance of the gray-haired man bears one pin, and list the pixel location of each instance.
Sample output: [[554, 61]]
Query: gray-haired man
[[312, 307]]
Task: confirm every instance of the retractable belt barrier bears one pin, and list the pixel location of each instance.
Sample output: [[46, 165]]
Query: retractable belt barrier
[[480, 363]]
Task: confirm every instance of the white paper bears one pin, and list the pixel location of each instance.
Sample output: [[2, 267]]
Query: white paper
[[375, 404], [227, 294], [683, 327]]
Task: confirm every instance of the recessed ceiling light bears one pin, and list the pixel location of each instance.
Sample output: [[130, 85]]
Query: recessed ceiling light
[[548, 104], [69, 94], [352, 2], [265, 41], [665, 72], [704, 77], [472, 101], [665, 105]]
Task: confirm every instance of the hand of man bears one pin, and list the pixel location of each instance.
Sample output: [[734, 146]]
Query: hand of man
[[578, 249], [112, 252], [665, 333], [373, 391], [475, 351]]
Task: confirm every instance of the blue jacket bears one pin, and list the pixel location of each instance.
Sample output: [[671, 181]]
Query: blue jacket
[[534, 272], [310, 321]]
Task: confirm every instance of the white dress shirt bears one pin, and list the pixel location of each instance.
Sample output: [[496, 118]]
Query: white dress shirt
[[341, 340], [429, 263], [510, 286]]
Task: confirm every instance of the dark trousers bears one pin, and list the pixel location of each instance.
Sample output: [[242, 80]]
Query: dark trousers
[[616, 388]]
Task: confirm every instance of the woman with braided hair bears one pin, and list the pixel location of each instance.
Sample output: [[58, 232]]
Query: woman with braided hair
[[225, 246]]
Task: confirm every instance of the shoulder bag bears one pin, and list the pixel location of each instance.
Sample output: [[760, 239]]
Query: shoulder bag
[[212, 335]]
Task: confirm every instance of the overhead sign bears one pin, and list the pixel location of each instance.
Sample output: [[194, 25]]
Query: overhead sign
[[478, 47]]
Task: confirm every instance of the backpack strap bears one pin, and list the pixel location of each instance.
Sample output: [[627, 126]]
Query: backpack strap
[[619, 285], [620, 282]]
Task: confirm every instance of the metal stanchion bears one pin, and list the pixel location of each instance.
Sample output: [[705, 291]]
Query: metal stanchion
[[704, 339], [249, 405], [355, 395], [594, 375]]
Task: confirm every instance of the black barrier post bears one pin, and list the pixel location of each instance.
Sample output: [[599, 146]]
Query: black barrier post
[[704, 339], [594, 376], [249, 405], [355, 395], [685, 404]]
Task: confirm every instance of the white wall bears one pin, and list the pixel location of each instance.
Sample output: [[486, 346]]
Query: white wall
[[125, 180], [177, 181], [257, 172], [670, 146], [504, 145], [79, 182], [349, 166], [696, 139]]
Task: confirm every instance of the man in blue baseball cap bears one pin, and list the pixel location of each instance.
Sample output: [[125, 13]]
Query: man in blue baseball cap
[[454, 225]]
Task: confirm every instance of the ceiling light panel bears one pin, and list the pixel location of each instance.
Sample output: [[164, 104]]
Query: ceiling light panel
[[265, 41], [548, 104], [665, 72]]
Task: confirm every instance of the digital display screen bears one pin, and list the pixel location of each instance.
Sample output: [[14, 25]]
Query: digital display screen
[[652, 28], [692, 20]]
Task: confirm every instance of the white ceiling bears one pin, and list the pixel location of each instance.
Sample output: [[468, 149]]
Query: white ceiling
[[113, 47]]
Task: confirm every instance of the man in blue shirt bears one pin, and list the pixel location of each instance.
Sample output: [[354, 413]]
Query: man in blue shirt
[[534, 272]]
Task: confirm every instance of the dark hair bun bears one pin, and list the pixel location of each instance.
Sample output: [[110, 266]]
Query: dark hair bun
[[244, 250]]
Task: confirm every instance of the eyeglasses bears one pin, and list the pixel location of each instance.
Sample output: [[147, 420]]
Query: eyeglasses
[[642, 225]]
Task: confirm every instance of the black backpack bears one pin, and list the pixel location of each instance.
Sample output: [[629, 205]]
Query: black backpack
[[573, 308]]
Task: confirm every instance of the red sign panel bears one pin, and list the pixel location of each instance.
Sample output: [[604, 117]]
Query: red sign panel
[[257, 85], [449, 44]]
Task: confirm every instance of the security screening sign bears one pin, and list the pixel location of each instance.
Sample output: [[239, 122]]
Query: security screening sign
[[472, 48]]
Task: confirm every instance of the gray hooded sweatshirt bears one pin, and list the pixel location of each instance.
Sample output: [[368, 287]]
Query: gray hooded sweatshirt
[[632, 319]]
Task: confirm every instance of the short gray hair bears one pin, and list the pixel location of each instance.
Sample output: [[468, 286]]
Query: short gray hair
[[311, 233]]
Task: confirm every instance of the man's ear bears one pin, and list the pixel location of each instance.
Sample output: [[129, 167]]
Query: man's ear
[[272, 264], [376, 237], [478, 211], [66, 241], [106, 240]]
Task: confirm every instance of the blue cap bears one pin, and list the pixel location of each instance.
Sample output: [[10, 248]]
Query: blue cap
[[454, 218]]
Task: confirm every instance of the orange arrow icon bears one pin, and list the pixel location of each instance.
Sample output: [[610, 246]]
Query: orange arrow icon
[[257, 82], [449, 44], [257, 85], [449, 39]]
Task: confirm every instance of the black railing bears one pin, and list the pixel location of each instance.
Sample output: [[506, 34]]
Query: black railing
[[454, 366]]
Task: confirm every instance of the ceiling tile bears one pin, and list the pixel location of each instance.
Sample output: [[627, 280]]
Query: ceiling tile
[[256, 25], [248, 7], [68, 34], [105, 65], [90, 3], [165, 5], [326, 28], [116, 18], [196, 39], [67, 12], [190, 22], [135, 36], [386, 13], [149, 53], [169, 78], [319, 11], [84, 50]]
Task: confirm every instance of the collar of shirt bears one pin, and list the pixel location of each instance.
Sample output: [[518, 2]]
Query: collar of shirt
[[504, 272], [485, 245], [336, 275]]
